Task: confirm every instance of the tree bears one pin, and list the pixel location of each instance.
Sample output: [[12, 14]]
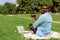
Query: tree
[[3, 10], [34, 5], [10, 7]]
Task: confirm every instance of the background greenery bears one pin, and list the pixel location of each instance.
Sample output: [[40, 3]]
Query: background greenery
[[27, 6]]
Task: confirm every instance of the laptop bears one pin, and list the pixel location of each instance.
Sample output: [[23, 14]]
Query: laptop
[[20, 29]]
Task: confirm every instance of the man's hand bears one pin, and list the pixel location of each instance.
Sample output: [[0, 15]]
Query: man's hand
[[30, 25]]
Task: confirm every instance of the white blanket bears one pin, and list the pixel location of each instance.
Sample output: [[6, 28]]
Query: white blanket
[[28, 34], [52, 35]]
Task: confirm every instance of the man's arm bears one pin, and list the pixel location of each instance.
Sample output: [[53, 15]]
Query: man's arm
[[39, 21]]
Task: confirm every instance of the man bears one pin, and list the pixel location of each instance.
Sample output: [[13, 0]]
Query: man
[[42, 26]]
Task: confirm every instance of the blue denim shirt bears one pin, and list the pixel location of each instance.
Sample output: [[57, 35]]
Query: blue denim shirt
[[43, 24]]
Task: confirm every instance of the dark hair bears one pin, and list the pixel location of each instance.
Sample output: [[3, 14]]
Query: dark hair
[[46, 5]]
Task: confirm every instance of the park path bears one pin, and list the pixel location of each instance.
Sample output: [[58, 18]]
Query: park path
[[58, 22]]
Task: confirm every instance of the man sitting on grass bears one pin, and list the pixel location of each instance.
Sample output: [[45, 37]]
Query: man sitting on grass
[[42, 26]]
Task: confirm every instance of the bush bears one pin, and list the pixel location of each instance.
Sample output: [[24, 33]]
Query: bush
[[3, 10]]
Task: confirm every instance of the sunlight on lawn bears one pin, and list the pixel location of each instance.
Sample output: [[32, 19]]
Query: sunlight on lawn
[[8, 26]]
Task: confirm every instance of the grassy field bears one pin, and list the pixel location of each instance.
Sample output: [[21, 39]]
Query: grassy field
[[8, 30]]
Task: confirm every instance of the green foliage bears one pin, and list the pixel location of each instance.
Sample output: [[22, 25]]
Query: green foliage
[[27, 6], [3, 10], [7, 8], [34, 4]]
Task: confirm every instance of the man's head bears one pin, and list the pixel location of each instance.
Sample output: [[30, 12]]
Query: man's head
[[44, 9]]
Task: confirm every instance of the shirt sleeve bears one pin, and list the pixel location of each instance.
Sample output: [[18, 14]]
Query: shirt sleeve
[[39, 21]]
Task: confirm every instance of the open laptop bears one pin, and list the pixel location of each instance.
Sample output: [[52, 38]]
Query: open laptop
[[22, 30]]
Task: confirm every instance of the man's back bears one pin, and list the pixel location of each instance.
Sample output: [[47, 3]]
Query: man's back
[[43, 24]]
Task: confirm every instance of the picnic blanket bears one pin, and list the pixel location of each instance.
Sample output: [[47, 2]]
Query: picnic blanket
[[28, 34], [52, 35]]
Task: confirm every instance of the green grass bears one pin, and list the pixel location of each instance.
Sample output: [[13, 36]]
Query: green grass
[[8, 26], [56, 17]]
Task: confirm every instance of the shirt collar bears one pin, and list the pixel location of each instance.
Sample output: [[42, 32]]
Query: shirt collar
[[47, 12]]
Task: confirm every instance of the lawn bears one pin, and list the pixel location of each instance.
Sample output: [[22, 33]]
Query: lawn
[[8, 30]]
